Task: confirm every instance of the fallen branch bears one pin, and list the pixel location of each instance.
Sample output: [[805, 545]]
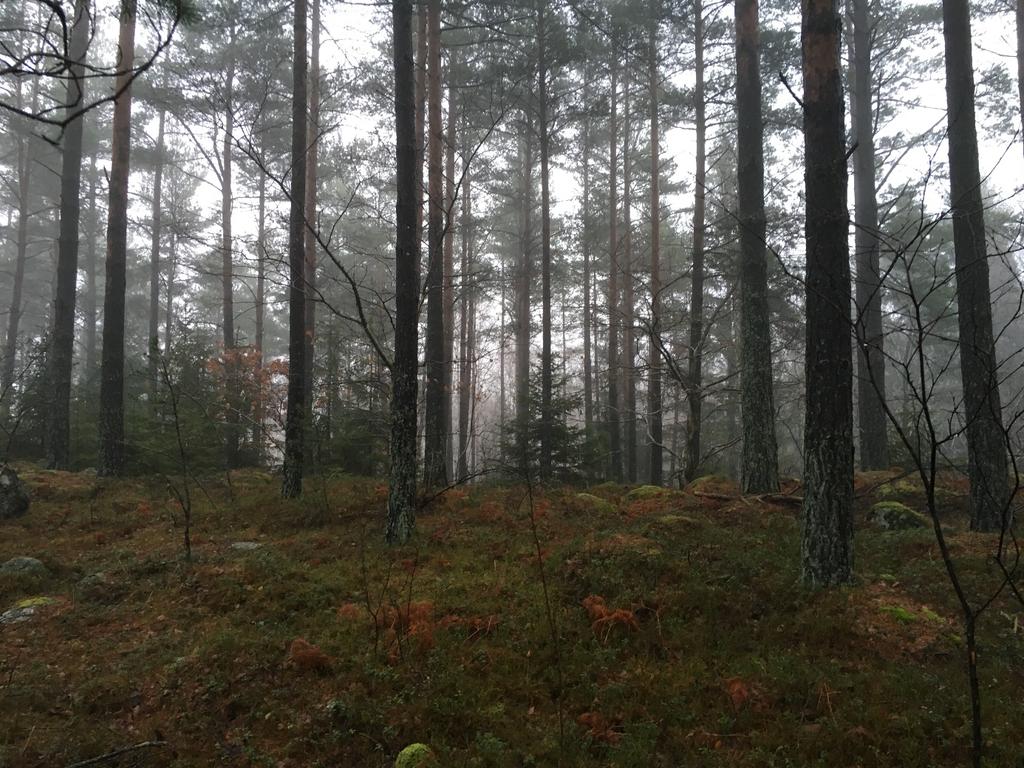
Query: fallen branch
[[118, 753]]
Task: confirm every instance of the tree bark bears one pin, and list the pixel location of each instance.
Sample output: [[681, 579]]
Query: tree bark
[[24, 160], [585, 245], [628, 365], [421, 110], [614, 431], [466, 314], [112, 433], [827, 526], [1020, 62], [154, 259], [295, 419], [435, 473], [874, 446], [261, 301], [979, 367], [654, 402], [694, 389], [760, 462], [90, 308], [63, 337], [523, 306], [402, 486], [310, 246], [449, 264], [546, 364], [231, 436]]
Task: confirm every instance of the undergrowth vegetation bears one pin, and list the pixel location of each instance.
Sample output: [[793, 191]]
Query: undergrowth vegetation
[[668, 629]]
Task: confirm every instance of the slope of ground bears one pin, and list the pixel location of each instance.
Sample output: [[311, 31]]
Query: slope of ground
[[605, 629]]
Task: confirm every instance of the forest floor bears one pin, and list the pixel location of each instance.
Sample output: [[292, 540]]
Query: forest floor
[[652, 628]]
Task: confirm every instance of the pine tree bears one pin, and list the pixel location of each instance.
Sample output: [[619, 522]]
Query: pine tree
[[63, 338], [402, 487], [112, 426], [979, 367], [295, 419], [760, 468], [827, 526]]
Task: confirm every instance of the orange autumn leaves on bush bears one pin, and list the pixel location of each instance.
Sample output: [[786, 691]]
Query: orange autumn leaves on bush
[[414, 621], [604, 619], [306, 657]]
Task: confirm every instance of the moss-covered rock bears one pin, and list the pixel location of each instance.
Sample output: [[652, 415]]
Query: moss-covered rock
[[595, 503], [717, 484], [24, 566], [416, 756], [646, 492], [894, 516]]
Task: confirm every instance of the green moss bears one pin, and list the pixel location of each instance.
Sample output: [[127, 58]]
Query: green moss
[[713, 484], [35, 602], [900, 613], [931, 615], [895, 488], [416, 756], [596, 503], [646, 492]]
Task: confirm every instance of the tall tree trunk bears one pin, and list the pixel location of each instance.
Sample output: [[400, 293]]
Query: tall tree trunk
[[614, 432], [421, 109], [585, 245], [231, 372], [402, 488], [654, 402], [261, 265], [523, 307], [24, 160], [695, 362], [546, 413], [63, 338], [874, 446], [172, 267], [312, 153], [501, 365], [986, 438], [449, 264], [90, 298], [295, 419], [1020, 62], [760, 463], [465, 312], [827, 536], [112, 434], [435, 470], [628, 366], [154, 258], [261, 301]]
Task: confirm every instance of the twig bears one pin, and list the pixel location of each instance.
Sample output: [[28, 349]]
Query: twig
[[118, 753]]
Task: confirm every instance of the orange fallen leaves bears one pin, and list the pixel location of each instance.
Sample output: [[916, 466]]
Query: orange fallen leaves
[[306, 657], [605, 619], [600, 728]]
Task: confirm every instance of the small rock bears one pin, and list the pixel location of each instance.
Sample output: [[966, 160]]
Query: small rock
[[894, 516], [27, 566], [100, 587], [14, 499], [246, 546], [17, 615], [25, 609]]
